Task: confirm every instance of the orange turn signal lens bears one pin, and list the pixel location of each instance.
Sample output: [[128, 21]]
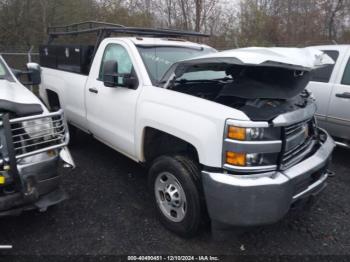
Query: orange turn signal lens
[[237, 133], [2, 180], [236, 159]]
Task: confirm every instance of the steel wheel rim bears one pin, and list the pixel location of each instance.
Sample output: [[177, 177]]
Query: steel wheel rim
[[170, 197]]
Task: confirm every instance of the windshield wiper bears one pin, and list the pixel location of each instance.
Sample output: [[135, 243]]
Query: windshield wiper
[[185, 81]]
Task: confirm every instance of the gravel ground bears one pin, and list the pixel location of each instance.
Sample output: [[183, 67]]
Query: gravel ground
[[110, 213]]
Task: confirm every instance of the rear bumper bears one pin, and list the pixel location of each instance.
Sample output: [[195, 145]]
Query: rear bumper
[[40, 186], [264, 199]]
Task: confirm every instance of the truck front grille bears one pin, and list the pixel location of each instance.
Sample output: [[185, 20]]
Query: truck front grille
[[37, 134], [299, 143]]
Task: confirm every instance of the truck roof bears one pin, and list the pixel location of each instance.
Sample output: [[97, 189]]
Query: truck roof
[[153, 41]]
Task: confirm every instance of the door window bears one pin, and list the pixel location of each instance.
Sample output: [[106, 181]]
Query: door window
[[119, 54], [346, 76], [324, 74]]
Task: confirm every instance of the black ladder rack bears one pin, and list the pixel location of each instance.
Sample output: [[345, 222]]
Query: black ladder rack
[[108, 28], [104, 30]]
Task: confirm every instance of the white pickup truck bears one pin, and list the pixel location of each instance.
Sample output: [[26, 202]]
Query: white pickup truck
[[229, 134]]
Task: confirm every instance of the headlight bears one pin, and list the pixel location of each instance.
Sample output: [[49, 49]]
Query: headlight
[[251, 159], [254, 159], [38, 128], [253, 133], [252, 147]]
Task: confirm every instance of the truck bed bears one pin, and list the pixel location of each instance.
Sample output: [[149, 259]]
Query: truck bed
[[70, 87]]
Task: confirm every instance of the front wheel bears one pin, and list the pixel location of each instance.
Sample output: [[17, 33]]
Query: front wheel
[[175, 187]]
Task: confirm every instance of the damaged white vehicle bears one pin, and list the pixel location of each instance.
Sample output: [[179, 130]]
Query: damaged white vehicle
[[231, 134], [31, 143]]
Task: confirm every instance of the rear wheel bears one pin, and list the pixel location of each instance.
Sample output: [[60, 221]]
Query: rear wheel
[[175, 187]]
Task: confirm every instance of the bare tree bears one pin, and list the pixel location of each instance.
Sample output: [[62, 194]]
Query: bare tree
[[199, 7], [334, 8], [232, 23]]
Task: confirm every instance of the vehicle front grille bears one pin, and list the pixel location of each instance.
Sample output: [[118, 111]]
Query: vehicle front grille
[[299, 143], [37, 134]]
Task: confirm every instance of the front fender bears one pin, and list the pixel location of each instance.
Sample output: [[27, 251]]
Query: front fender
[[193, 129], [194, 120]]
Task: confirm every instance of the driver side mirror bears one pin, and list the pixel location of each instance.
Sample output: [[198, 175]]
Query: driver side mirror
[[110, 73], [111, 77], [32, 76], [34, 73]]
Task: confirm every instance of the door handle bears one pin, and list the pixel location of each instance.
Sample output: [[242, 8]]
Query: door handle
[[343, 95], [93, 90]]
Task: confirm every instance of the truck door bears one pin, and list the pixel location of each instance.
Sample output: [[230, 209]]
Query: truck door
[[339, 108], [321, 87], [111, 111]]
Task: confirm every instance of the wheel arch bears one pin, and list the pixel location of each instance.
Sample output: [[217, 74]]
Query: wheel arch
[[157, 142], [53, 100]]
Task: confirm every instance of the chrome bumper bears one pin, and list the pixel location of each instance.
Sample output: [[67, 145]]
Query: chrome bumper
[[265, 198]]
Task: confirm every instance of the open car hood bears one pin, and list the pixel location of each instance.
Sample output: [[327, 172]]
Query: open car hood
[[255, 72], [304, 59]]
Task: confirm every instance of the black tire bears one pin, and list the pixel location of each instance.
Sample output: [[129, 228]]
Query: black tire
[[187, 173]]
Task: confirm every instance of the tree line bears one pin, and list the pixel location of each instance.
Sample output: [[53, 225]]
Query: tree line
[[234, 23]]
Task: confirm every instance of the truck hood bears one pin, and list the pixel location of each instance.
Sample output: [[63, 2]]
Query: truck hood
[[305, 59], [251, 73], [16, 98]]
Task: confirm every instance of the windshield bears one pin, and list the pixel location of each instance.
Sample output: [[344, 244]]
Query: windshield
[[159, 59]]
